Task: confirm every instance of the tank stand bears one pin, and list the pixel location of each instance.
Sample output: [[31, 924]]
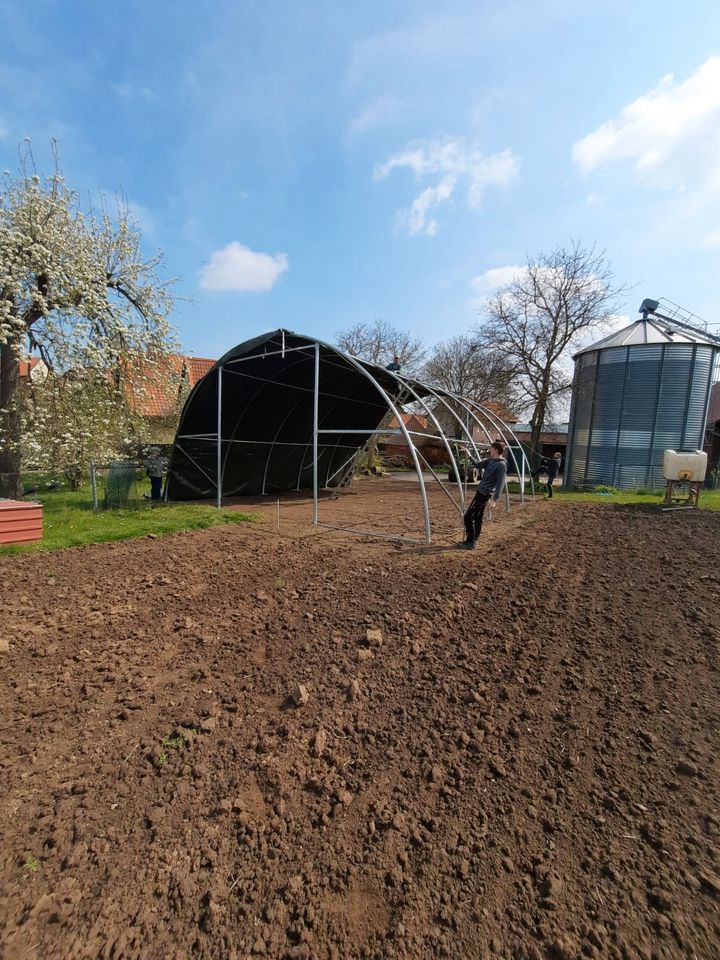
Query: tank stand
[[689, 502]]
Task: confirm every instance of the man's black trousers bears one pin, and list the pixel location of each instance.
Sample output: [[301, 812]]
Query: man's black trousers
[[474, 516]]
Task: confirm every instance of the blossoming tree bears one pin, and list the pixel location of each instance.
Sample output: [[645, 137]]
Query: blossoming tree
[[76, 289], [75, 418]]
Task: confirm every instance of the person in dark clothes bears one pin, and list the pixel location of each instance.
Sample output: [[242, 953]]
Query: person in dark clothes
[[155, 465], [492, 483], [552, 466], [395, 366]]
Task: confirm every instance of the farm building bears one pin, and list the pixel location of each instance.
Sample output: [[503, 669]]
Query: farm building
[[395, 446], [553, 439]]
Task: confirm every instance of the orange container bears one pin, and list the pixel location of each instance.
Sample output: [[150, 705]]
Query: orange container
[[20, 522]]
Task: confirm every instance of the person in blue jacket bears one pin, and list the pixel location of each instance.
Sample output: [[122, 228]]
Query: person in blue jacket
[[492, 484]]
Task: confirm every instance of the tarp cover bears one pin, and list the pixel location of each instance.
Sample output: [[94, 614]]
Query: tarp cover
[[268, 389]]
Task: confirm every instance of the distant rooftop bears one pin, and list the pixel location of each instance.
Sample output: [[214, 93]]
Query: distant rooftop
[[153, 390], [547, 428]]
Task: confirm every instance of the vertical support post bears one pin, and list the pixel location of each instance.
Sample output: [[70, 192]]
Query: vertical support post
[[468, 461], [649, 473], [591, 425], [683, 439], [93, 484], [616, 468], [316, 409], [219, 438]]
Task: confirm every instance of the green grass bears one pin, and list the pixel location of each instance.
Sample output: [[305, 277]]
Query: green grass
[[709, 499], [69, 520]]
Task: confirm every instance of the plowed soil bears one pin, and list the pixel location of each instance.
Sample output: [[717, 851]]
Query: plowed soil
[[519, 759]]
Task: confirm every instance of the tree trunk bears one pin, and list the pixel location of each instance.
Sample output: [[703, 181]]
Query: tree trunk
[[372, 451], [10, 423], [536, 428]]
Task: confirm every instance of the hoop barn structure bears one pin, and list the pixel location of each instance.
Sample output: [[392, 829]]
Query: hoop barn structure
[[287, 412]]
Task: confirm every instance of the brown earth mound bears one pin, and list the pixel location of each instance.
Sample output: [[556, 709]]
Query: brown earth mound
[[230, 744]]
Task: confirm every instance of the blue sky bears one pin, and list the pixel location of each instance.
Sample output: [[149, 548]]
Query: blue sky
[[310, 165]]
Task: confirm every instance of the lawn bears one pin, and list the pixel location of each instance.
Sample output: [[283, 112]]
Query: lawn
[[709, 499], [69, 520]]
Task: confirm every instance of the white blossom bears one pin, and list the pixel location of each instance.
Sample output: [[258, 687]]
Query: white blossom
[[75, 288]]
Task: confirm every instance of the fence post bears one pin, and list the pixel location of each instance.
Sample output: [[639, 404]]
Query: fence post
[[93, 484]]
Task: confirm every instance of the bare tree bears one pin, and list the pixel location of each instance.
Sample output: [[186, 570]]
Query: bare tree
[[378, 342], [534, 322], [461, 366]]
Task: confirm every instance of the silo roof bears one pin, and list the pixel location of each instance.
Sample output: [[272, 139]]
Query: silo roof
[[649, 331]]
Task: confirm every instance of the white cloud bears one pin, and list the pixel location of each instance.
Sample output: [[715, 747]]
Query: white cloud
[[495, 278], [618, 321], [237, 267], [416, 218], [671, 133], [614, 323], [376, 114], [713, 238], [455, 160]]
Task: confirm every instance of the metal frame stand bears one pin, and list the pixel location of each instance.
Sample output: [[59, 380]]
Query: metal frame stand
[[690, 502]]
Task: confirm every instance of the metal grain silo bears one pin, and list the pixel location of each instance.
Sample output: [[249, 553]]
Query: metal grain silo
[[636, 393]]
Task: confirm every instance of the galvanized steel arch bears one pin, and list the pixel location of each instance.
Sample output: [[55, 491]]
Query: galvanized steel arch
[[413, 390]]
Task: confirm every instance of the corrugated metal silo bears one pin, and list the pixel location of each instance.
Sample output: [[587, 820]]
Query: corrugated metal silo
[[636, 393]]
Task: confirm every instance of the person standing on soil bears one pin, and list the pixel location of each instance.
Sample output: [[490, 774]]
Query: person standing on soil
[[552, 466], [492, 484], [155, 465]]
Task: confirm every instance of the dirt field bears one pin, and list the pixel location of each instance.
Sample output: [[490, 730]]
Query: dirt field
[[522, 764]]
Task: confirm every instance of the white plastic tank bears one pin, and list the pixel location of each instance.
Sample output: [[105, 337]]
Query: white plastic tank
[[685, 466]]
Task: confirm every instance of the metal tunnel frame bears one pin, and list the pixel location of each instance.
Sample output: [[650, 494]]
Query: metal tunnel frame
[[421, 395]]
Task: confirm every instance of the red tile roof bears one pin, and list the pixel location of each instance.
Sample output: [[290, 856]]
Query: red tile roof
[[413, 421], [500, 410], [27, 367], [197, 367], [153, 388]]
